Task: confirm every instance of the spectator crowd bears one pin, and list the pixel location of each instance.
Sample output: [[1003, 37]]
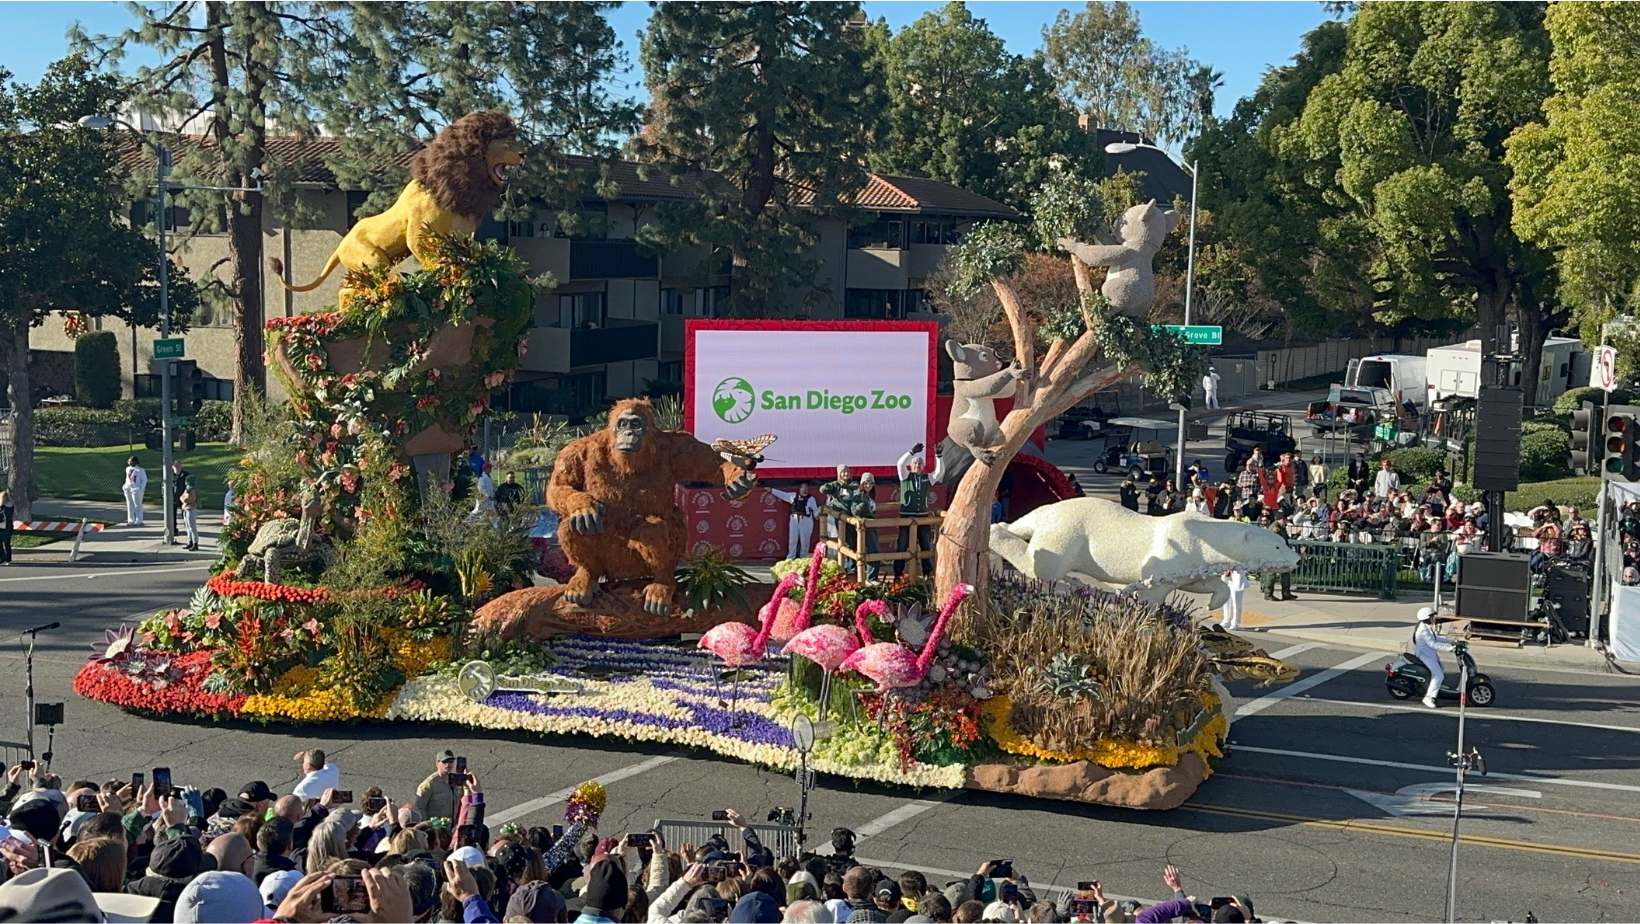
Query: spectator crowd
[[140, 850]]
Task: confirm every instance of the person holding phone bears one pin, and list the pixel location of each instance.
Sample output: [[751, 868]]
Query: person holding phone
[[438, 796]]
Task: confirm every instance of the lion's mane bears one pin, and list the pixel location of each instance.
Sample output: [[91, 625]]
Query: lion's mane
[[453, 168]]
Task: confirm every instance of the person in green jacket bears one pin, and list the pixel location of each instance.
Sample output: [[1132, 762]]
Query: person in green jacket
[[916, 491]]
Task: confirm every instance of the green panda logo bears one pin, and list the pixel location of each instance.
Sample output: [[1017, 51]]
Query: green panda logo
[[734, 400]]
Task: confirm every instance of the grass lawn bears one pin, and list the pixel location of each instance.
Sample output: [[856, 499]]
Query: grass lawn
[[34, 540], [96, 474]]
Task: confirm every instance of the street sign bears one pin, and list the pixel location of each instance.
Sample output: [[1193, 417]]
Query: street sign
[[1199, 334], [168, 349], [1603, 374]]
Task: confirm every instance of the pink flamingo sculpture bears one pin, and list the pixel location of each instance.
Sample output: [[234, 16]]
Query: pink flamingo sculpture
[[892, 665], [829, 646], [783, 629], [738, 645]]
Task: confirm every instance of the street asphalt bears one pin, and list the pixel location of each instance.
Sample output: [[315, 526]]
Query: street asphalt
[[1304, 815]]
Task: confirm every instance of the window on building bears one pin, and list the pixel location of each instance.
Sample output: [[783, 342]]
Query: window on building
[[672, 301], [877, 304], [177, 217], [882, 234], [581, 311], [525, 228], [589, 222], [670, 371], [218, 389], [933, 232], [708, 300], [916, 300], [355, 201]]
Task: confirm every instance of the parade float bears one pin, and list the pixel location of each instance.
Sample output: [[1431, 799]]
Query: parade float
[[360, 581]]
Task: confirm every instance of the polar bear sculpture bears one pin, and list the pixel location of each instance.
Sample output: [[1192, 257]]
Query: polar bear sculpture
[[1108, 546]]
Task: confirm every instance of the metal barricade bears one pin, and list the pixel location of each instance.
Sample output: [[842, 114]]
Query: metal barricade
[[780, 839], [535, 486], [1346, 567]]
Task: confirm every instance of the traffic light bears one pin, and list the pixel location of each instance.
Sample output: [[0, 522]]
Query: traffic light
[[1622, 446], [1585, 438], [187, 387]]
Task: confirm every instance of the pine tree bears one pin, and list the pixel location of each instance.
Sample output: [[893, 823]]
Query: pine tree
[[763, 102]]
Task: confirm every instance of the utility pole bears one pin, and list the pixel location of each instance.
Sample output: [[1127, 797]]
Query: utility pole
[[1463, 762]]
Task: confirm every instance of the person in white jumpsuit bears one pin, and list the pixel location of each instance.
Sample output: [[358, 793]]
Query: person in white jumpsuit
[[136, 484], [1237, 581], [1428, 645], [800, 534], [1210, 389]]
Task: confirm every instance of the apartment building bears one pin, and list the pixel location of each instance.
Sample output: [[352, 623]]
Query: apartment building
[[614, 322]]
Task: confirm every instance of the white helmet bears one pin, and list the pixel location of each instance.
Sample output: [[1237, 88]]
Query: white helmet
[[1426, 614]]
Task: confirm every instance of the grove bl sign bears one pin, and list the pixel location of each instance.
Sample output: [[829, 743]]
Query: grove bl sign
[[834, 392]]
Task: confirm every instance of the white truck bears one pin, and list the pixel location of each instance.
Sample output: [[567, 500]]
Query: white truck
[[1399, 373], [1458, 370]]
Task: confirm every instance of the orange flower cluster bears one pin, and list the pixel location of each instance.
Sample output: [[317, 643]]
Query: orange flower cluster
[[225, 585]]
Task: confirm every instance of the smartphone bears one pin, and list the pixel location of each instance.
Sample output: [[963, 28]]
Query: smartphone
[[557, 831], [196, 803], [375, 804], [461, 765], [717, 872], [136, 781], [162, 781], [26, 764], [1084, 906], [344, 795], [1087, 885], [1010, 892], [720, 815], [86, 802], [720, 908], [467, 834], [459, 779], [346, 896], [1002, 869], [641, 840], [1220, 902]]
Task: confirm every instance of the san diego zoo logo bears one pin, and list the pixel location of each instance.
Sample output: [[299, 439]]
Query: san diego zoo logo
[[734, 400]]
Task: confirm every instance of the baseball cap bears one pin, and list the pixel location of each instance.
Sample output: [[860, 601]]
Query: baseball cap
[[469, 855], [445, 755], [256, 791]]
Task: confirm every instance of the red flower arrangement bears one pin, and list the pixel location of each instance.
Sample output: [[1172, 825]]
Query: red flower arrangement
[[108, 684], [224, 585]]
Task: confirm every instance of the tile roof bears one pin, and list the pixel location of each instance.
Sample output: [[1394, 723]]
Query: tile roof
[[637, 181]]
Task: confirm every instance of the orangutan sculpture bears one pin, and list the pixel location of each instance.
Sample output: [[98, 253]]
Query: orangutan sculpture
[[454, 182], [614, 492]]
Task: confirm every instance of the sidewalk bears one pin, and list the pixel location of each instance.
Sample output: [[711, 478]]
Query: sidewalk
[[1368, 623], [118, 543]]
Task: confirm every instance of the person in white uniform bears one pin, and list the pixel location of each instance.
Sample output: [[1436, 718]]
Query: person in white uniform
[[1237, 581], [1428, 645], [136, 484], [1210, 388], [800, 534]]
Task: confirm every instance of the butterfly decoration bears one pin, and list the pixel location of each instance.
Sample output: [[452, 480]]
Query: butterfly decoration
[[912, 624], [750, 450]]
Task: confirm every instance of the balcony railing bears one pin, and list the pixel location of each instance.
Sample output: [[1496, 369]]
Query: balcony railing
[[558, 349], [610, 260]]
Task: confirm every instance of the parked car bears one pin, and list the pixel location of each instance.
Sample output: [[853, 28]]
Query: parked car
[[1271, 434]]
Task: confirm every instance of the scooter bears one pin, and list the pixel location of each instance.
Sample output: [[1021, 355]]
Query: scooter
[[1408, 678]]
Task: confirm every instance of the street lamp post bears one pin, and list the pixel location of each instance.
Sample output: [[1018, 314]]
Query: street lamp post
[[162, 170], [1124, 147], [162, 185]]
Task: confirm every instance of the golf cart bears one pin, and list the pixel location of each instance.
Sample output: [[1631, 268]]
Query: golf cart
[[1138, 446], [1271, 434]]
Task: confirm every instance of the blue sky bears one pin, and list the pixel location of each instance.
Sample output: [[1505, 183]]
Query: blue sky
[[1241, 39]]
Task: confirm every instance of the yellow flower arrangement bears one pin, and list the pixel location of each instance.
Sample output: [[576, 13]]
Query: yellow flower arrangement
[[1108, 752], [296, 694]]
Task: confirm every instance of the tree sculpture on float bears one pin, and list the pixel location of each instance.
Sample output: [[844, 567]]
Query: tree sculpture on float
[[614, 492], [1067, 211]]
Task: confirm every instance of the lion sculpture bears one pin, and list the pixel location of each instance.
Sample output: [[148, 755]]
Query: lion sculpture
[[614, 492], [454, 182]]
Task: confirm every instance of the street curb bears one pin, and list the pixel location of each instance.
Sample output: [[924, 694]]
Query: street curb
[[1503, 657]]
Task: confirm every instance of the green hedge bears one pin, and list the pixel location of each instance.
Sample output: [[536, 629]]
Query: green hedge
[[97, 369], [1573, 398], [1545, 454], [128, 421], [1417, 463]]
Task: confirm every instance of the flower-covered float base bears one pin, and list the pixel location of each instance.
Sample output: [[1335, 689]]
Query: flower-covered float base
[[669, 694], [542, 613]]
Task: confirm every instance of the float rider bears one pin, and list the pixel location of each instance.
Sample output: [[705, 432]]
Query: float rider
[[800, 532], [841, 496], [1428, 645], [916, 486]]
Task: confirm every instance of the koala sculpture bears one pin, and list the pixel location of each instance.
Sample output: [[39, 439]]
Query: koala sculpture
[[978, 380], [1130, 279]]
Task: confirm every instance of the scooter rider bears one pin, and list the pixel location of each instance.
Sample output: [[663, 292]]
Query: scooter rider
[[1428, 645]]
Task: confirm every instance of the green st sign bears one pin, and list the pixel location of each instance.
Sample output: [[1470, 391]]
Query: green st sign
[[169, 349], [1199, 334]]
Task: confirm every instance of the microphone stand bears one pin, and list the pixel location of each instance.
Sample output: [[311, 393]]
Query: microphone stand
[[29, 665]]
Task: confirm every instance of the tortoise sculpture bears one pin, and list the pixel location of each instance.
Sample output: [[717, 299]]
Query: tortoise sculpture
[[286, 541]]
